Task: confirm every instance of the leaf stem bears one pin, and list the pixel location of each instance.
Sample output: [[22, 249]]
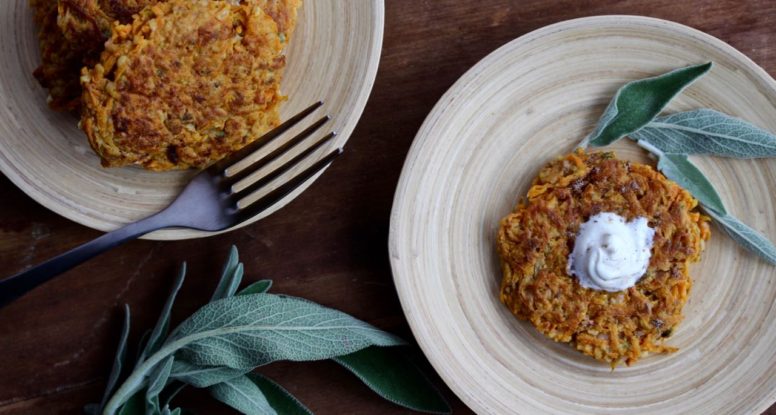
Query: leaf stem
[[135, 381], [649, 147]]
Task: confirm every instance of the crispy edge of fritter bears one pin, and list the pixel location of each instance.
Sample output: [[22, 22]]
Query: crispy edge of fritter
[[100, 94], [528, 291]]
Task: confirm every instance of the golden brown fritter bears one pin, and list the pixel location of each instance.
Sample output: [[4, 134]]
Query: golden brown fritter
[[61, 60], [88, 22], [73, 33], [284, 13], [188, 82], [534, 243]]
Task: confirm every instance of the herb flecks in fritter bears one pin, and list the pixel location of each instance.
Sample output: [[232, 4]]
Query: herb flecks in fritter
[[185, 84], [535, 240]]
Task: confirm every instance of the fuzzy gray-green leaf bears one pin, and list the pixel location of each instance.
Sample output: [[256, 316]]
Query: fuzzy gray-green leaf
[[258, 287], [677, 168], [638, 102], [118, 360], [746, 236], [243, 395], [246, 331], [230, 276], [202, 376], [160, 331], [134, 406], [279, 399], [157, 380], [709, 132], [392, 375]]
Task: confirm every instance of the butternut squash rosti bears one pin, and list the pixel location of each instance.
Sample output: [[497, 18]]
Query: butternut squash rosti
[[61, 60], [72, 34], [534, 243], [183, 85]]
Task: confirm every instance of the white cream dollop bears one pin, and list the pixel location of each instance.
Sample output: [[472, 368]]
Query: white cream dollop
[[609, 253]]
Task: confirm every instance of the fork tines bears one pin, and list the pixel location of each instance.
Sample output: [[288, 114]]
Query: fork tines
[[224, 169]]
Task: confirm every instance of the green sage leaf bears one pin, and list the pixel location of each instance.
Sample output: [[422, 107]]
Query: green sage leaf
[[638, 102], [279, 399], [745, 236], [250, 330], [243, 395], [141, 346], [157, 380], [166, 411], [135, 405], [709, 132], [160, 331], [202, 376], [230, 277], [258, 287], [391, 374], [118, 360], [679, 169]]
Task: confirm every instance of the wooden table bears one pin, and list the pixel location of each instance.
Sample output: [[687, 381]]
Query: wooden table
[[329, 245]]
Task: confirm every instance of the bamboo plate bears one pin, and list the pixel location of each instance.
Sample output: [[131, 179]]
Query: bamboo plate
[[526, 103], [333, 56]]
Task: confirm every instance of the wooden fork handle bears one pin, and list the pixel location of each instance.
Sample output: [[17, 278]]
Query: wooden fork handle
[[15, 286]]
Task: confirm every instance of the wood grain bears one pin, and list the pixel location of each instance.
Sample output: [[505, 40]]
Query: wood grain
[[329, 245], [522, 106], [334, 53]]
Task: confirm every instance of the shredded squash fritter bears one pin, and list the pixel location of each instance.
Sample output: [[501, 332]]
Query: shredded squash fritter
[[72, 35], [535, 240], [183, 85]]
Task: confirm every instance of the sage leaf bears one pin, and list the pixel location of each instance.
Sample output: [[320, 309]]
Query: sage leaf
[[392, 375], [250, 330], [258, 287], [243, 395], [679, 169], [141, 346], [745, 236], [638, 102], [706, 131], [166, 411], [160, 331], [202, 376], [279, 399], [118, 360], [157, 380], [230, 277], [135, 405]]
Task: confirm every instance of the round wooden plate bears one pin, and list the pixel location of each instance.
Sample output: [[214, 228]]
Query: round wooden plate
[[530, 101], [333, 56]]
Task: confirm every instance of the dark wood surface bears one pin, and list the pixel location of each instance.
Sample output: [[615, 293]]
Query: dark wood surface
[[329, 245]]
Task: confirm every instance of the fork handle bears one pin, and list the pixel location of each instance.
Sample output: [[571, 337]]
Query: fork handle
[[17, 285]]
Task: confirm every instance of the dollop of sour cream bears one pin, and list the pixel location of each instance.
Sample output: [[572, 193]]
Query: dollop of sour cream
[[609, 253]]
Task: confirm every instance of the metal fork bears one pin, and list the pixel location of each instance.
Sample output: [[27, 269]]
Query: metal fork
[[208, 202]]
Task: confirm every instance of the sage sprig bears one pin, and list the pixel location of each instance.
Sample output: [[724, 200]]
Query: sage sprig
[[707, 132], [639, 102], [219, 346], [634, 111]]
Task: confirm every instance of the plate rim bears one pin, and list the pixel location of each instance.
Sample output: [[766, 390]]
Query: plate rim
[[71, 212], [402, 196]]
